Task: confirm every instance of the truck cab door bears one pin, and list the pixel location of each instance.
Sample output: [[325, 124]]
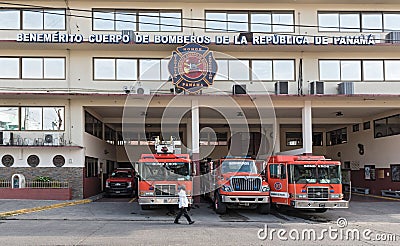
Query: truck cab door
[[277, 180]]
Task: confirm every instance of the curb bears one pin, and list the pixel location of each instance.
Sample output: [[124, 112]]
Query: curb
[[42, 208], [374, 196]]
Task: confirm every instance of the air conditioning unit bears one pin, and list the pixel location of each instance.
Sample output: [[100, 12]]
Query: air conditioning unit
[[129, 33], [346, 88], [392, 37], [6, 138], [281, 87], [316, 87], [239, 89], [54, 138], [140, 90]]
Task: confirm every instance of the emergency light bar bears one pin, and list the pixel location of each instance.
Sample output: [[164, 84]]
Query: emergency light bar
[[237, 157]]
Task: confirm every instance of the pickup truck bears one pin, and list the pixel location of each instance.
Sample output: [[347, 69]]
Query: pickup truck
[[121, 182]]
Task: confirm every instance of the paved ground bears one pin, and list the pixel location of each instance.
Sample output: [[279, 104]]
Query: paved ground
[[120, 221]]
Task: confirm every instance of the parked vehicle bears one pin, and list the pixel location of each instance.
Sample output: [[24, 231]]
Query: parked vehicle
[[305, 182], [161, 174], [234, 182], [121, 182]]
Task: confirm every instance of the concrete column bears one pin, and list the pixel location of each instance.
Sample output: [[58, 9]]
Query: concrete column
[[195, 147], [307, 128], [276, 137]]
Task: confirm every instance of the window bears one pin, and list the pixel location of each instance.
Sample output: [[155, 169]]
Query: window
[[392, 71], [358, 21], [109, 135], [137, 20], [250, 21], [359, 70], [328, 22], [317, 139], [335, 137], [115, 69], [296, 139], [9, 118], [32, 68], [10, 19], [373, 70], [371, 22], [366, 125], [277, 171], [42, 118], [91, 167], [153, 69], [273, 70], [209, 137], [349, 22], [356, 127], [32, 19], [391, 22], [388, 126], [265, 70], [395, 169], [93, 126]]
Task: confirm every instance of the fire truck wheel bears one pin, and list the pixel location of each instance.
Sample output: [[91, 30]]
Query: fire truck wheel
[[320, 210], [145, 207], [264, 208], [220, 207]]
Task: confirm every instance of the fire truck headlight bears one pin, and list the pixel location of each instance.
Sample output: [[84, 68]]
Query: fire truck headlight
[[336, 196], [265, 189], [129, 185], [301, 196], [226, 188], [107, 184]]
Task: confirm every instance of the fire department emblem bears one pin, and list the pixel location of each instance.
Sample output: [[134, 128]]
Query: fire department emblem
[[278, 186], [192, 67]]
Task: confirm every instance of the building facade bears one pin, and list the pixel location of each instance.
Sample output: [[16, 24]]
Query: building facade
[[85, 86]]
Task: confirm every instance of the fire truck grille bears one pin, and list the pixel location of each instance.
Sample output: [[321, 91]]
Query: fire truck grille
[[246, 184], [118, 185], [165, 190], [318, 193]]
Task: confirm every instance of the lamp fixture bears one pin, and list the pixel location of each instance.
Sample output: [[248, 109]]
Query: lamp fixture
[[339, 114]]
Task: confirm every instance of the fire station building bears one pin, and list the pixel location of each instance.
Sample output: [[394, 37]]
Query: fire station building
[[87, 86]]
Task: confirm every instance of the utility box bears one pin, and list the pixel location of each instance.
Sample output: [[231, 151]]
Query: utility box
[[18, 181]]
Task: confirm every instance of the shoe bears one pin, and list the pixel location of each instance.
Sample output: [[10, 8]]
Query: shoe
[[191, 222], [176, 222]]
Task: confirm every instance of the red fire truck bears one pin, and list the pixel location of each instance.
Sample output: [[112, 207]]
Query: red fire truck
[[161, 174], [233, 182], [305, 182]]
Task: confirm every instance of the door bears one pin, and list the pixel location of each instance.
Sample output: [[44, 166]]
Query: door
[[277, 180]]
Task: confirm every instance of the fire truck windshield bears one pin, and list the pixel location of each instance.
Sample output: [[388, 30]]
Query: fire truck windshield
[[329, 174], [311, 174], [247, 166], [165, 171]]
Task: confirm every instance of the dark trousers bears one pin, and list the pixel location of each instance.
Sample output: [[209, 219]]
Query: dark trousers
[[184, 212]]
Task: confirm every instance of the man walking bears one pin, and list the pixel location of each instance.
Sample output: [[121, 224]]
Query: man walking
[[183, 204]]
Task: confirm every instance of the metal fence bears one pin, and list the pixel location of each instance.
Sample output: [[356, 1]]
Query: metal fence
[[38, 184], [5, 184], [47, 184]]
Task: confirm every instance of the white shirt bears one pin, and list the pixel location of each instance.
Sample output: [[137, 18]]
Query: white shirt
[[183, 201]]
